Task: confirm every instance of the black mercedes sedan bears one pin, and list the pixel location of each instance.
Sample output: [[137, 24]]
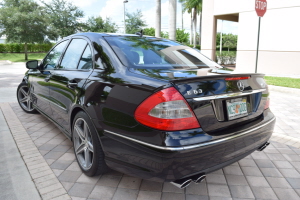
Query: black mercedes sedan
[[148, 107]]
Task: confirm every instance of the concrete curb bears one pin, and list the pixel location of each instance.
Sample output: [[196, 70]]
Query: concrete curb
[[293, 91], [5, 62]]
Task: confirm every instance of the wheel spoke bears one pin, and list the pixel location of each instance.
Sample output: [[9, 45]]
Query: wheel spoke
[[87, 157], [23, 92], [90, 147], [29, 104], [80, 148], [85, 130], [79, 132], [23, 100]]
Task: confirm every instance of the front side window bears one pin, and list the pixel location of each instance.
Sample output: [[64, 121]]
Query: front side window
[[51, 60], [151, 52], [73, 54]]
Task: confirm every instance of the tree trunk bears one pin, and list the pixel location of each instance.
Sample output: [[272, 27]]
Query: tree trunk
[[25, 50], [172, 19], [158, 18], [200, 26], [191, 41], [195, 26]]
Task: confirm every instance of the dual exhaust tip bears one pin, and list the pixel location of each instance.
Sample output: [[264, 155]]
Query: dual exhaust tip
[[183, 183], [261, 148]]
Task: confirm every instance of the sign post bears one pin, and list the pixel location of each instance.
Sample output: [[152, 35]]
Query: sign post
[[261, 9]]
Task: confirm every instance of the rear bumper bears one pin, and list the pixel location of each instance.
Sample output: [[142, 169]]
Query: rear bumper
[[161, 163]]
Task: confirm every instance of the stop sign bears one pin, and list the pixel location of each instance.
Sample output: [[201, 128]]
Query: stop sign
[[260, 7]]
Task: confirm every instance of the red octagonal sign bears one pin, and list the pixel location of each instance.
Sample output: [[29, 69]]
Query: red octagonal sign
[[260, 7]]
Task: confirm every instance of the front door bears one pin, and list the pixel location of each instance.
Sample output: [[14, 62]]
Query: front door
[[39, 79], [68, 78]]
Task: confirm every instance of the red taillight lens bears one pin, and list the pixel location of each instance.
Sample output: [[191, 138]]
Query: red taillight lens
[[166, 110], [267, 105], [237, 78]]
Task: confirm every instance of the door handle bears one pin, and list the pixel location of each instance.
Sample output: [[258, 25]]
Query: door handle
[[72, 84]]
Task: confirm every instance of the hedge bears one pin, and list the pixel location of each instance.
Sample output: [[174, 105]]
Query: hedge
[[19, 48]]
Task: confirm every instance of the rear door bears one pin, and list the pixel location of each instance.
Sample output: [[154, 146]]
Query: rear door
[[39, 79], [68, 78]]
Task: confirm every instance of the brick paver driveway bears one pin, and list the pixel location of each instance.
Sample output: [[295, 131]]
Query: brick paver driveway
[[271, 174]]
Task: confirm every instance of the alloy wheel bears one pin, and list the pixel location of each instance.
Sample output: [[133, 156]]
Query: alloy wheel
[[83, 144], [24, 98]]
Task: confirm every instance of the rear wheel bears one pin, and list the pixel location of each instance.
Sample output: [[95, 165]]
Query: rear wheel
[[87, 147], [24, 98]]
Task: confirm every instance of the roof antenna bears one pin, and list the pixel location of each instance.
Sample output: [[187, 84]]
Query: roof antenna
[[140, 33]]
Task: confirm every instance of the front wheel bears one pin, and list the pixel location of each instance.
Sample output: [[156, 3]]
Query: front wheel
[[24, 98], [87, 147]]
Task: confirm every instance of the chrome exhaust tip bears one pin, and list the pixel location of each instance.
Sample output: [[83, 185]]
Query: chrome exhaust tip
[[200, 179], [263, 146], [182, 183]]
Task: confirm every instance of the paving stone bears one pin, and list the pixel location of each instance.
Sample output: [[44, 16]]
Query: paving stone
[[67, 185], [293, 158], [264, 164], [151, 186], [278, 182], [251, 171], [255, 181], [170, 188], [286, 194], [247, 163], [172, 196], [61, 164], [50, 188], [216, 178], [283, 164], [125, 194], [74, 167], [294, 182], [241, 191], [149, 195], [69, 176], [235, 170], [271, 172], [218, 190], [196, 197], [88, 180], [102, 192], [263, 193], [197, 189], [53, 194], [81, 190], [236, 180], [290, 173], [276, 156], [109, 180], [53, 155]]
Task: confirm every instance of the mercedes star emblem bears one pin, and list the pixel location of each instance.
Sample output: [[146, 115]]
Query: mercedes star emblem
[[241, 85]]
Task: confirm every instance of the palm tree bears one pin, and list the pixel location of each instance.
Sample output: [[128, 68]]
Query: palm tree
[[172, 19], [194, 7], [158, 18]]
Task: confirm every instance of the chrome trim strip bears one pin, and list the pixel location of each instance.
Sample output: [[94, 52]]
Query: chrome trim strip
[[191, 146], [222, 96]]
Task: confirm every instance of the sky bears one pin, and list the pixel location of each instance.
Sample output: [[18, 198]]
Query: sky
[[114, 9]]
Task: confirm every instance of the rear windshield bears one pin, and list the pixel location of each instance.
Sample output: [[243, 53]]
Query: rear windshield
[[150, 52]]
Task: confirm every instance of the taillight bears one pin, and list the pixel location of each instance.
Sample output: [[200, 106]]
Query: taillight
[[237, 78], [166, 110], [267, 103]]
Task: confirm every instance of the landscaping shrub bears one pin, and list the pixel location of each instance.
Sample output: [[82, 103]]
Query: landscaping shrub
[[19, 48]]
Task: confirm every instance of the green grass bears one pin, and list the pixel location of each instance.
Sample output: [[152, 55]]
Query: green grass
[[283, 81], [20, 57]]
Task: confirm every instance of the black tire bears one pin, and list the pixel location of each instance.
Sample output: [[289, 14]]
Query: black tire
[[24, 98], [91, 163]]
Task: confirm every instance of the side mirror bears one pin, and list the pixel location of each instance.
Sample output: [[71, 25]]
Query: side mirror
[[33, 64]]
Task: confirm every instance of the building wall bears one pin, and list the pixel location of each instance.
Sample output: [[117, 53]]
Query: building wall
[[279, 49]]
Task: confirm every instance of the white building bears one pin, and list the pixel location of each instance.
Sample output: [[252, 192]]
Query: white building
[[279, 48]]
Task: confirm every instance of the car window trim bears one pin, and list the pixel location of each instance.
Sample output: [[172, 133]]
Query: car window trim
[[63, 51]]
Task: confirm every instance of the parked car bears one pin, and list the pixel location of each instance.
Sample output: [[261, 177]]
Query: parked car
[[148, 107]]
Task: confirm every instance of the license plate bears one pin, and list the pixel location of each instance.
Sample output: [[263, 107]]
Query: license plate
[[236, 108]]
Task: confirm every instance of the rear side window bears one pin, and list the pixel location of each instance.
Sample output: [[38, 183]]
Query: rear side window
[[86, 61], [73, 54], [53, 56]]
